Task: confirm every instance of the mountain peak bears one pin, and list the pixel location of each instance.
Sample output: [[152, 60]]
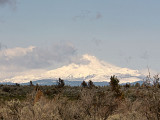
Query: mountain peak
[[94, 70], [92, 60], [89, 57]]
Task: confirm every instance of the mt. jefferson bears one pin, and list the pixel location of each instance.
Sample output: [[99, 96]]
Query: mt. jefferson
[[90, 69]]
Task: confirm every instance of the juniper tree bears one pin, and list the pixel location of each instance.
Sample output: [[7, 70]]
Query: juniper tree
[[84, 84], [114, 83], [60, 83], [90, 84]]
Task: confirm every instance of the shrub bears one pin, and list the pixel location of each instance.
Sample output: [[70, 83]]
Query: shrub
[[90, 84], [37, 87], [6, 89], [84, 84], [114, 85], [39, 94], [31, 84], [75, 103], [147, 81], [17, 84], [60, 83], [156, 81], [137, 85], [127, 85]]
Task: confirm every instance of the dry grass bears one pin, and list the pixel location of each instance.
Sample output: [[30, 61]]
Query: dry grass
[[77, 103]]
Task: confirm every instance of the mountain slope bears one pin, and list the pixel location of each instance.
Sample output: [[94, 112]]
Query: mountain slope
[[92, 69]]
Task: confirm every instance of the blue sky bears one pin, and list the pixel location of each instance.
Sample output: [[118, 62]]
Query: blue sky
[[121, 32]]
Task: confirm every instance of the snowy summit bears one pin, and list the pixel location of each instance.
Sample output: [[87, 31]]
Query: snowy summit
[[90, 69]]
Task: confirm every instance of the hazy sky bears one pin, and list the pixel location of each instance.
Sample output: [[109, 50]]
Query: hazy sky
[[122, 32]]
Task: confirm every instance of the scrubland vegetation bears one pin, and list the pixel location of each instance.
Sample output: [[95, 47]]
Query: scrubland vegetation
[[85, 102]]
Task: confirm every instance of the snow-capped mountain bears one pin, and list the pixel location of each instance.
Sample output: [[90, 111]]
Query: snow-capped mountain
[[92, 69]]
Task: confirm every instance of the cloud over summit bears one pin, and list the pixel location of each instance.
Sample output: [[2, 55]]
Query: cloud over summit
[[17, 60], [37, 57]]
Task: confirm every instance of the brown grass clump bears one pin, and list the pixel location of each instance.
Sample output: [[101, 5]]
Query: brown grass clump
[[38, 95]]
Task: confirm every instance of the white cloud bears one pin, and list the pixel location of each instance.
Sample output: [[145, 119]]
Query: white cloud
[[18, 60], [37, 57], [15, 52]]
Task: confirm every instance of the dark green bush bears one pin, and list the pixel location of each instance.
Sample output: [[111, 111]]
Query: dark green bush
[[90, 84], [114, 83], [60, 83], [84, 84], [6, 89]]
